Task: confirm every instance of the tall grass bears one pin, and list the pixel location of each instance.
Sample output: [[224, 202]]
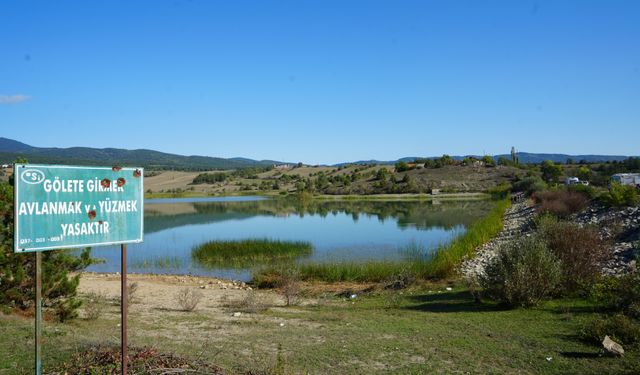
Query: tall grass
[[165, 262], [444, 260], [248, 253], [436, 265]]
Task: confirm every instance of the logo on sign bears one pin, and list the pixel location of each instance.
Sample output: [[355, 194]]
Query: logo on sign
[[32, 176]]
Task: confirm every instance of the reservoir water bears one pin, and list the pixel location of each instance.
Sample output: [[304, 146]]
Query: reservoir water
[[339, 230]]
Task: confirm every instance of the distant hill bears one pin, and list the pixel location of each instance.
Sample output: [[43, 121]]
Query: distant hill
[[11, 149], [523, 157], [526, 157]]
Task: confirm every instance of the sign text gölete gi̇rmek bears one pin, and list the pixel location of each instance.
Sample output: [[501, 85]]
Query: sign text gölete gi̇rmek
[[60, 206]]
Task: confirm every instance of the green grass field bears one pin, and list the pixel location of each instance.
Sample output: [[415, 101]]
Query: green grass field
[[423, 330]]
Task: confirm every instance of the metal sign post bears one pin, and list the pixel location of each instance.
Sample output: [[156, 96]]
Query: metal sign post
[[123, 306], [38, 316], [61, 206]]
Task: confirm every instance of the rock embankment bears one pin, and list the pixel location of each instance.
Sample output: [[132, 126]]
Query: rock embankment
[[622, 227], [517, 223]]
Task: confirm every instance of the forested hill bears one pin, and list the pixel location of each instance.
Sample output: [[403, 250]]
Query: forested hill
[[11, 149]]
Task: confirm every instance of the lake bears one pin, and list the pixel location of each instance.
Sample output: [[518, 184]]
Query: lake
[[339, 230]]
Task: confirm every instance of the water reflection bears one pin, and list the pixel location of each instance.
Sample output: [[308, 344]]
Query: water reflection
[[339, 230]]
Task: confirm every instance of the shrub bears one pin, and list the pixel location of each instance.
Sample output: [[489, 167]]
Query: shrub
[[250, 303], [400, 280], [620, 294], [290, 289], [94, 305], [620, 196], [587, 190], [393, 300], [132, 290], [580, 250], [188, 298], [523, 273], [561, 203], [529, 185], [619, 327], [499, 192]]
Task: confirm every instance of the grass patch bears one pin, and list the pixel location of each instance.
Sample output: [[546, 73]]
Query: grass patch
[[420, 264], [425, 330], [248, 253]]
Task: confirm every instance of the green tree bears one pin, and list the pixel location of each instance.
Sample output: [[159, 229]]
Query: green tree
[[488, 161], [382, 174], [402, 166], [584, 173], [446, 160], [550, 171], [17, 285]]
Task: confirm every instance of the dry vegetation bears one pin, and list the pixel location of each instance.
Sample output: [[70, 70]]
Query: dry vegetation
[[362, 180]]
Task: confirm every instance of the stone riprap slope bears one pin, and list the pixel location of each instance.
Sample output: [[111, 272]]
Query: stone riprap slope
[[622, 227], [517, 223]]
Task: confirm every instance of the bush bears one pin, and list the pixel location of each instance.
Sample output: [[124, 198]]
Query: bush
[[619, 327], [290, 289], [561, 203], [499, 192], [400, 280], [580, 250], [132, 290], [620, 196], [529, 185], [587, 190], [523, 273], [393, 300], [620, 294], [188, 298], [250, 303], [94, 305]]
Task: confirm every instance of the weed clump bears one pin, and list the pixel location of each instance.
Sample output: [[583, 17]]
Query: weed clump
[[188, 299], [94, 305]]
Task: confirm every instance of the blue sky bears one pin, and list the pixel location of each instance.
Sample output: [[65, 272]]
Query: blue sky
[[323, 81]]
